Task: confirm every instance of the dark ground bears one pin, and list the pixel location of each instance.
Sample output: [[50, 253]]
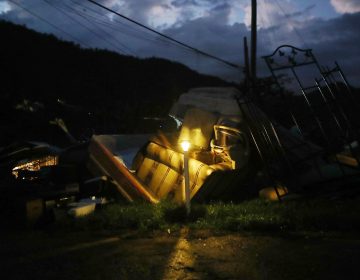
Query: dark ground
[[186, 254]]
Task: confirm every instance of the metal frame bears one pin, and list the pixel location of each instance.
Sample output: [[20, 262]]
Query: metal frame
[[330, 118]]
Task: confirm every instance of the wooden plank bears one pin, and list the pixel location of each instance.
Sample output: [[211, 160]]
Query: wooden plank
[[130, 186]]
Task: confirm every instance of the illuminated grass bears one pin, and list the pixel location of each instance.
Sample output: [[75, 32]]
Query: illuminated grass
[[294, 215], [255, 215]]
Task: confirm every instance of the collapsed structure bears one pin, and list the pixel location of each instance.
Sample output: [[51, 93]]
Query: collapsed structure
[[152, 168], [236, 148]]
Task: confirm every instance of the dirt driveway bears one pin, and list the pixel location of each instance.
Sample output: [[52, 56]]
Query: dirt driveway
[[186, 254]]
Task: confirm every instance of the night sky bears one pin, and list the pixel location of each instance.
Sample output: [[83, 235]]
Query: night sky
[[329, 27]]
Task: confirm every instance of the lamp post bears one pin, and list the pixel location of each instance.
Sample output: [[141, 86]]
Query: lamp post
[[185, 146]]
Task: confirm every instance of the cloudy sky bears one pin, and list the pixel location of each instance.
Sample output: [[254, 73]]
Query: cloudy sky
[[329, 27]]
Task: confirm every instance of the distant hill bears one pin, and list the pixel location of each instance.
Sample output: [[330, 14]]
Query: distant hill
[[95, 90]]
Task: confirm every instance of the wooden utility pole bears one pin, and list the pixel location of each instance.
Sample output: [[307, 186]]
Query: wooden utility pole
[[253, 40]]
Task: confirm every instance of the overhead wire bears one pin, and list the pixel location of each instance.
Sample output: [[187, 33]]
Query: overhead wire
[[163, 39], [141, 33], [124, 47], [49, 23], [167, 37], [114, 27], [60, 10], [295, 29], [88, 8]]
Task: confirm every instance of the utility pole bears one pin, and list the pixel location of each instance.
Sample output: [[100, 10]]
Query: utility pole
[[253, 41]]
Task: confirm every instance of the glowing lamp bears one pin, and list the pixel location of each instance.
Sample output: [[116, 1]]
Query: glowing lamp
[[185, 145]]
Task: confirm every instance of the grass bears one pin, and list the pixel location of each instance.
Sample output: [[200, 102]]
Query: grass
[[292, 215], [254, 215]]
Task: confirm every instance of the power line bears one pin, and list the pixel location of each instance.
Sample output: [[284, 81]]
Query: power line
[[85, 17], [49, 23], [141, 34], [128, 30], [83, 25], [86, 8], [166, 36], [295, 29], [128, 27], [124, 48], [125, 31]]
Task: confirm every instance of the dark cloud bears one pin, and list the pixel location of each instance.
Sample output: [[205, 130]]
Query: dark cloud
[[305, 11], [221, 7], [334, 39], [182, 3], [337, 39]]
